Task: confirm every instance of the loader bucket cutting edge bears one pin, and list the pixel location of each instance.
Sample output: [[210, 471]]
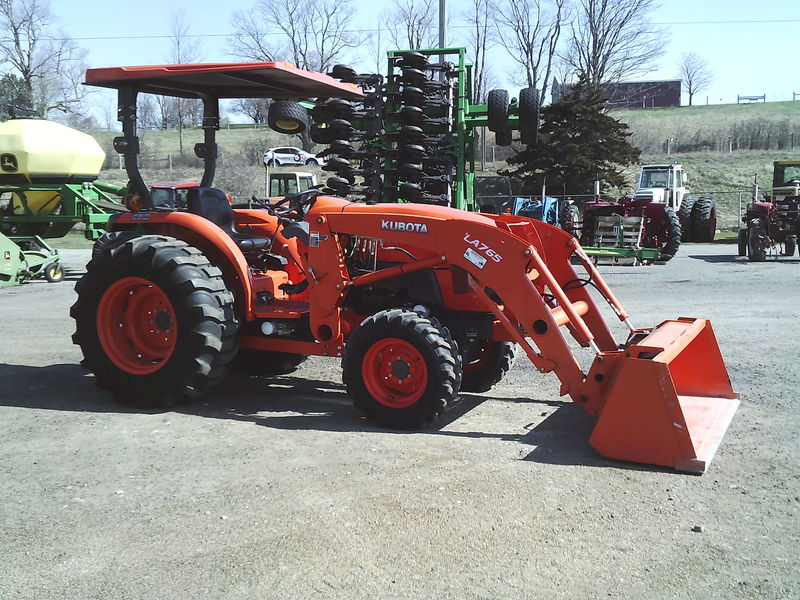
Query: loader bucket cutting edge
[[669, 400]]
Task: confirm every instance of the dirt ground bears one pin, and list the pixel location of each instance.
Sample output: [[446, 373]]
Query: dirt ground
[[278, 489]]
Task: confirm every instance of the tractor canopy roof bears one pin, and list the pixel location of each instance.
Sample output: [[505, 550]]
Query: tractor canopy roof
[[224, 80]]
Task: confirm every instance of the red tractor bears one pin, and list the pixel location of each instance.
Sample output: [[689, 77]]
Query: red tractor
[[418, 302], [775, 221]]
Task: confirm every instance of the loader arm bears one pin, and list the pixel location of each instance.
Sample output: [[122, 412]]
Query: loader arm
[[663, 397]]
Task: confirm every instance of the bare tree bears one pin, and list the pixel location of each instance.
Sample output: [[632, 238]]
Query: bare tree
[[695, 74], [184, 50], [47, 61], [413, 24], [535, 30], [255, 109], [312, 34], [614, 39], [480, 18]]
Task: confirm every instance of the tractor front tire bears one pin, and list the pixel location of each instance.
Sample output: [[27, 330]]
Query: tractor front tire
[[742, 242], [570, 219], [790, 245], [488, 366], [401, 369], [704, 220], [755, 249], [685, 217], [154, 320]]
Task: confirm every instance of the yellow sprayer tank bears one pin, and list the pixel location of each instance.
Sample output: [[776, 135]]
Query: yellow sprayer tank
[[38, 151]]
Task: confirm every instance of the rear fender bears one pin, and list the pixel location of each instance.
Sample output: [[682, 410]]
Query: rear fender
[[206, 237]]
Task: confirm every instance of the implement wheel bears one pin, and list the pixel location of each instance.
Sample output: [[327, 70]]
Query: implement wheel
[[497, 110], [285, 116], [401, 369], [529, 116], [54, 272], [488, 366], [154, 320]]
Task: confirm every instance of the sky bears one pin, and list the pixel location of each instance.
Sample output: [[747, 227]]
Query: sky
[[747, 45]]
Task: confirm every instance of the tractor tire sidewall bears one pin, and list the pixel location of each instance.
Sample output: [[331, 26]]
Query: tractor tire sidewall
[[755, 250], [492, 370], [204, 317], [443, 370], [529, 116], [570, 218], [497, 110], [685, 218], [704, 220]]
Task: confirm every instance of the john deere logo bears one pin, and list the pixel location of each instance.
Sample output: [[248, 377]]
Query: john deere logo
[[8, 162]]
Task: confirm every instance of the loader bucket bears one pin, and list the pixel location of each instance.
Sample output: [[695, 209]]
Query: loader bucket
[[669, 400]]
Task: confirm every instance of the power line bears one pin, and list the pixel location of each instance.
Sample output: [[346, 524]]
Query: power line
[[378, 29]]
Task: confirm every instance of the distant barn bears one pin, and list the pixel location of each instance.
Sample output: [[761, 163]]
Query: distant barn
[[636, 94]]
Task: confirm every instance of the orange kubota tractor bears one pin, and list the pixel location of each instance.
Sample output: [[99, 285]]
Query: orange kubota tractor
[[417, 301]]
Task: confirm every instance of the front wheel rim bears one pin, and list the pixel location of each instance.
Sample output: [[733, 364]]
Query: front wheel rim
[[136, 325], [395, 373]]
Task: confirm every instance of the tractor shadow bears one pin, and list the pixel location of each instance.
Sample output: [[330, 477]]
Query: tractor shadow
[[740, 260], [298, 403]]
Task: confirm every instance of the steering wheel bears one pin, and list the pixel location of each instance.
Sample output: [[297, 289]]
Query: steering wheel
[[296, 206]]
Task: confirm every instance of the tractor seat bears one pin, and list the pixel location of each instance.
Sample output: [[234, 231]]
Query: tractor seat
[[212, 204]]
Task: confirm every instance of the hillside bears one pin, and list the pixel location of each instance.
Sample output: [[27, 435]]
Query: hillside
[[771, 125], [723, 173]]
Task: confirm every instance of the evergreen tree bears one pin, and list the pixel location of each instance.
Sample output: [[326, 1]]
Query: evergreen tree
[[15, 101], [578, 142]]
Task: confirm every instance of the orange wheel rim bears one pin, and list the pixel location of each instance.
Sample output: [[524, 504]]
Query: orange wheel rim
[[136, 325], [394, 373]]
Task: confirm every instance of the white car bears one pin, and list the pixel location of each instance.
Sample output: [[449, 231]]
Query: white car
[[277, 157]]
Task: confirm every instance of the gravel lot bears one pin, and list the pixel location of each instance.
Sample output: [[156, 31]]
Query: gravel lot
[[278, 489]]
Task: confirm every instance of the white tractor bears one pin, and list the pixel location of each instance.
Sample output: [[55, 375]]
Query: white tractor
[[667, 184]]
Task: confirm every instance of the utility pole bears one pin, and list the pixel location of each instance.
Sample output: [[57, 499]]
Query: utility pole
[[442, 27]]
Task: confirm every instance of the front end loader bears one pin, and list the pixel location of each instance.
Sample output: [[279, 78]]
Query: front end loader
[[418, 302]]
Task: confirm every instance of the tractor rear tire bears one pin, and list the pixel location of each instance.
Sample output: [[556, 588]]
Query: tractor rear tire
[[285, 116], [685, 217], [755, 251], [742, 242], [486, 369], [790, 245], [401, 369], [154, 320], [673, 242], [704, 220], [529, 116], [267, 363], [497, 110]]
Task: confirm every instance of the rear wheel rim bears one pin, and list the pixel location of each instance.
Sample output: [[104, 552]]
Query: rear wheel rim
[[394, 372], [136, 325]]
